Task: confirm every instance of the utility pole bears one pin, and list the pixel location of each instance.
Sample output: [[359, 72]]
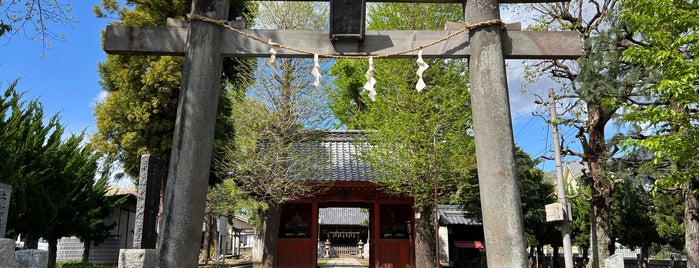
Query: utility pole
[[560, 186], [436, 199]]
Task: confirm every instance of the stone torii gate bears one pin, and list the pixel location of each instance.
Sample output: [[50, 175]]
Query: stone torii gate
[[205, 44]]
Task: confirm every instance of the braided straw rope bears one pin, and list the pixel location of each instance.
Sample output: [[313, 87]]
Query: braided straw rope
[[467, 27]]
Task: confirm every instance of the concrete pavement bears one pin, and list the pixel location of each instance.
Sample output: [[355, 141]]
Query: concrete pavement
[[342, 263]]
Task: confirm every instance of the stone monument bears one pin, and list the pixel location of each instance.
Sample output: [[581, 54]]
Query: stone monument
[[5, 191]]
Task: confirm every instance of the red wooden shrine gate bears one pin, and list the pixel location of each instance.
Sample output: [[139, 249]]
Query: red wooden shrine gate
[[391, 226]]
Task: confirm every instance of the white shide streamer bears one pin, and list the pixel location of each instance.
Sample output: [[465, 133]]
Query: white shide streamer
[[370, 81], [421, 67], [316, 71], [272, 58]]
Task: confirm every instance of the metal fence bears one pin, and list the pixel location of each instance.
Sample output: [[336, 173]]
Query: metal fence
[[345, 249]]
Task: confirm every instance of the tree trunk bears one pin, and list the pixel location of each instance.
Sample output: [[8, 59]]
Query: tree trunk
[[271, 225], [599, 241], [204, 251], [214, 236], [555, 260], [53, 247], [691, 223], [596, 153], [424, 238], [540, 258], [86, 251], [645, 254]]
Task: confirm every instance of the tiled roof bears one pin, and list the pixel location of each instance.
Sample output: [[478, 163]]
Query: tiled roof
[[453, 215], [342, 216], [343, 147], [576, 169]]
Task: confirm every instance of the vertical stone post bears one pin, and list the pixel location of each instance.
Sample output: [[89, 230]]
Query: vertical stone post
[[492, 124], [148, 202], [192, 143], [5, 193]]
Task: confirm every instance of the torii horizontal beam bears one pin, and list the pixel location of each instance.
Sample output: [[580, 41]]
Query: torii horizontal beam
[[448, 1], [130, 40]]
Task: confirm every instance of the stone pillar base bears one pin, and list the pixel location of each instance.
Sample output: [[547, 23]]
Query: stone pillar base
[[138, 258]]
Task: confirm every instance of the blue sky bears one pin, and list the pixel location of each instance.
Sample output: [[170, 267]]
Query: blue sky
[[65, 79]]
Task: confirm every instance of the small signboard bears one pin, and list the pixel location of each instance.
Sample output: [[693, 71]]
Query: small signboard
[[347, 19], [556, 212], [5, 191]]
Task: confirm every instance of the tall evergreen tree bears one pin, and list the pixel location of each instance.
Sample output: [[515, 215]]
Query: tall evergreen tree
[[30, 142], [55, 193]]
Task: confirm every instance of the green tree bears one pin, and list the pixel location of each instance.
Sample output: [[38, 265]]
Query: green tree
[[81, 202], [580, 226], [668, 218], [223, 199], [138, 116], [54, 189], [411, 126], [669, 33], [631, 214], [29, 141]]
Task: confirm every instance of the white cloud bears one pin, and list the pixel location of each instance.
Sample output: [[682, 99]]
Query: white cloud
[[101, 97]]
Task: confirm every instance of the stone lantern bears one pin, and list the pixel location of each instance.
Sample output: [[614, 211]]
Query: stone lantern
[[360, 248], [327, 249]]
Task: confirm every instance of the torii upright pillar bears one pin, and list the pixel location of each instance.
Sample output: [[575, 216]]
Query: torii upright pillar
[[192, 142], [492, 125]]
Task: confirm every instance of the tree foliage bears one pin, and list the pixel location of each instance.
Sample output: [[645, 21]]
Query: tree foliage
[[669, 34], [138, 115], [632, 213], [669, 46], [55, 193]]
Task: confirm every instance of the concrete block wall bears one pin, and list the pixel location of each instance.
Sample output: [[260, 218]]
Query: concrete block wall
[[71, 248]]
